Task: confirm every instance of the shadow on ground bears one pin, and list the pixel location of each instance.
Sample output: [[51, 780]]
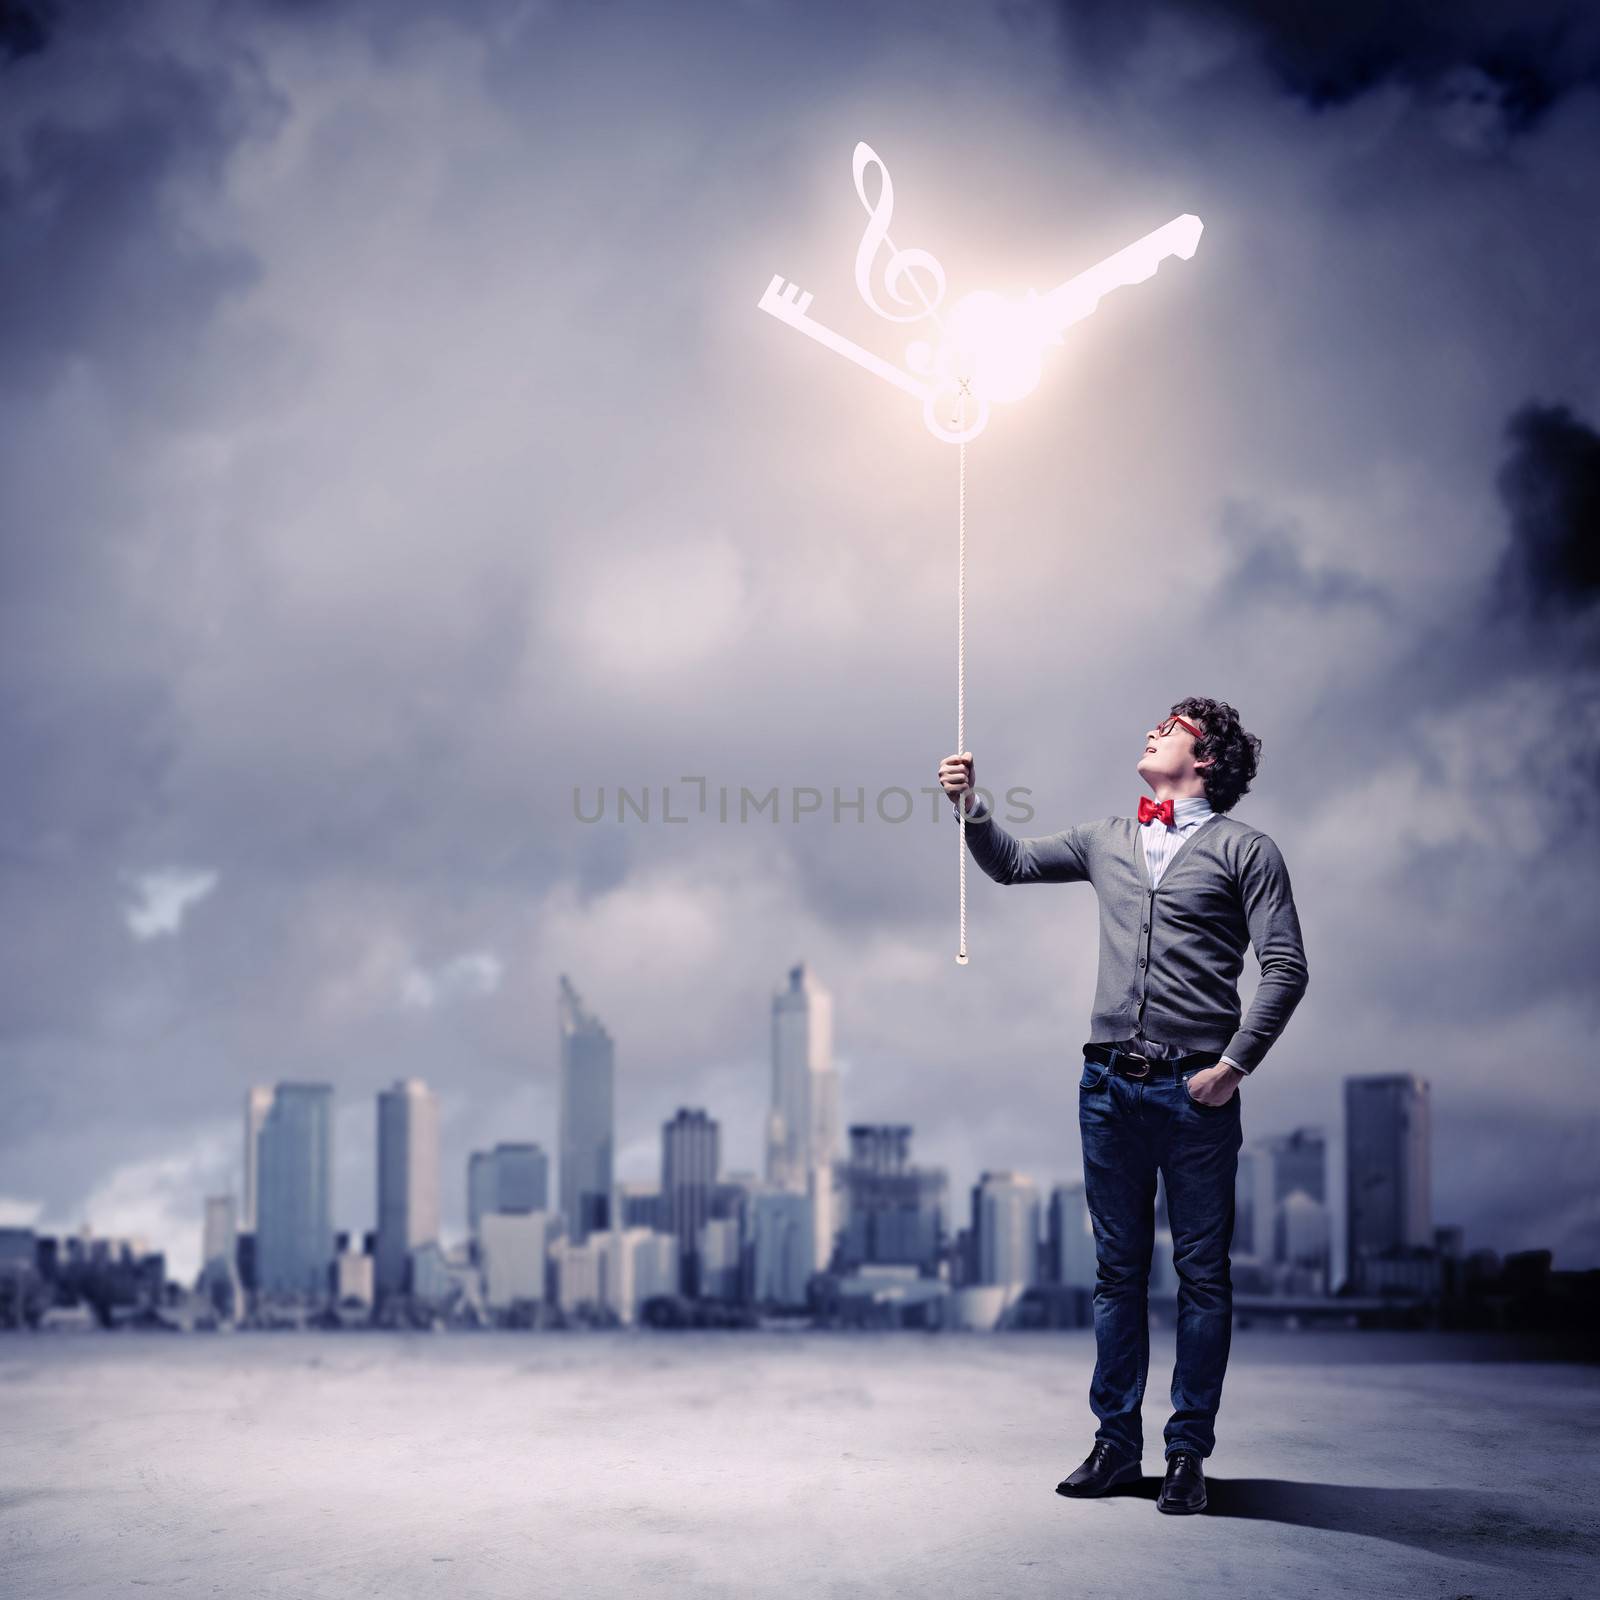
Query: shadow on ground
[[1462, 1524]]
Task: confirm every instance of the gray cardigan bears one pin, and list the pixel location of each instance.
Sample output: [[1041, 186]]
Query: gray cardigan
[[1170, 957]]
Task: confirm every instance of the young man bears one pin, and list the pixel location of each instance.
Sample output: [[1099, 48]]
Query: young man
[[1182, 890]]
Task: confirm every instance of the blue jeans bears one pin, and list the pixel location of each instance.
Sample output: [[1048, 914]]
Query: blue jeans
[[1131, 1129]]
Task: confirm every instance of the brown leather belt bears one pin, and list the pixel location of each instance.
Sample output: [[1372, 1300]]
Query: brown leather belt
[[1130, 1064]]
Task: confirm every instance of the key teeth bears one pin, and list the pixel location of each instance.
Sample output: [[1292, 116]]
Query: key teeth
[[784, 291]]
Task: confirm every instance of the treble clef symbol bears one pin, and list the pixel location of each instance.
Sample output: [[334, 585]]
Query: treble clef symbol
[[902, 264]]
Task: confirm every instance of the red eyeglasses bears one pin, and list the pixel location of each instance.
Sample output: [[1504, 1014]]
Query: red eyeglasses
[[1164, 728]]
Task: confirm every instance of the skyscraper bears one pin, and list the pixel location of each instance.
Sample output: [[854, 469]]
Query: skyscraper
[[510, 1180], [690, 1163], [408, 1179], [639, 1205], [483, 1191], [588, 1070], [1071, 1234], [803, 1122], [1303, 1236], [523, 1174], [257, 1103], [218, 1241], [894, 1211], [1388, 1193], [1252, 1203], [1297, 1163], [1005, 1228], [294, 1203], [782, 1252]]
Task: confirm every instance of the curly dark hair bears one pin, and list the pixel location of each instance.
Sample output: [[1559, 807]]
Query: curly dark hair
[[1233, 753]]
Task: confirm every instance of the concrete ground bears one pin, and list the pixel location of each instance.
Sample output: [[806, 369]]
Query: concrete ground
[[739, 1465]]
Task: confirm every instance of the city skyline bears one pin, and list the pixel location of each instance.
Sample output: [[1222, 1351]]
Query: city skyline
[[1018, 1230], [516, 1173], [874, 1224], [513, 1177]]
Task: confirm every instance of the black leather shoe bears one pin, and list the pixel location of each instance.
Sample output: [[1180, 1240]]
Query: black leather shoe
[[1104, 1469], [1184, 1487]]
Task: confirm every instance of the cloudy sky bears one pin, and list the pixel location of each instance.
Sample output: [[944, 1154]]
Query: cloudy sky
[[390, 447]]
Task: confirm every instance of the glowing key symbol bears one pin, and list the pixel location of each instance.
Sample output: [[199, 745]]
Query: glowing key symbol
[[990, 348]]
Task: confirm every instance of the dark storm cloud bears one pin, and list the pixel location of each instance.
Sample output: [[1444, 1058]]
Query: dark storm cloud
[[1551, 489], [24, 27], [1532, 619], [96, 263], [1526, 56], [106, 293]]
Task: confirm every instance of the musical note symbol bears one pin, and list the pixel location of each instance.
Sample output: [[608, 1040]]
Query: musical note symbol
[[902, 264], [991, 348]]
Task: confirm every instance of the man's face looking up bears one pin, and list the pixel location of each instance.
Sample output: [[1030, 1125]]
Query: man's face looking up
[[1168, 758]]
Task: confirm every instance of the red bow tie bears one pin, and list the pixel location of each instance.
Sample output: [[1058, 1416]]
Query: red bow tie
[[1148, 809]]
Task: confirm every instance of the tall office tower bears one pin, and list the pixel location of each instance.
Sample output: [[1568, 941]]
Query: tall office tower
[[822, 1193], [219, 1280], [1005, 1228], [1250, 1236], [1388, 1193], [894, 1211], [510, 1180], [690, 1163], [781, 1248], [408, 1180], [220, 1235], [1300, 1161], [639, 1205], [523, 1171], [483, 1190], [294, 1197], [1302, 1226], [257, 1103], [1297, 1164], [1071, 1234], [803, 1121], [588, 1071]]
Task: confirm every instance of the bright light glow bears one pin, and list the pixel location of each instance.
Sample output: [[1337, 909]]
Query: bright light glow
[[990, 349], [1001, 340]]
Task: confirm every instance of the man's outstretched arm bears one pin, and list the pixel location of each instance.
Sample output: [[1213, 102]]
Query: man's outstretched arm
[[1052, 858]]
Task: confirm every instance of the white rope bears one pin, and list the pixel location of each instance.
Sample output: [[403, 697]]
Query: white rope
[[961, 676]]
